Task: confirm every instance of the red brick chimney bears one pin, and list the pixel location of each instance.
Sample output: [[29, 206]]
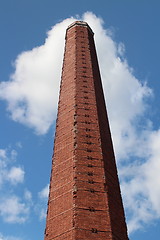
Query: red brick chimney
[[84, 199]]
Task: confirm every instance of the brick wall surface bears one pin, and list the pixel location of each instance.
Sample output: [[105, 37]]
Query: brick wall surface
[[84, 199]]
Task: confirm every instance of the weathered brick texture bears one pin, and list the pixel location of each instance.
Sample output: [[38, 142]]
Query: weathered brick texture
[[84, 200]]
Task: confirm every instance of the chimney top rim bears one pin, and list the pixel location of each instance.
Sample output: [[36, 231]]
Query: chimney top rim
[[80, 23]]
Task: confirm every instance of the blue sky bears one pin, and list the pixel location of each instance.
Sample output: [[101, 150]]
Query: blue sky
[[127, 38]]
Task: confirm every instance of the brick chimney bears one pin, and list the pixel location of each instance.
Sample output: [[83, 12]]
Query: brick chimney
[[84, 198]]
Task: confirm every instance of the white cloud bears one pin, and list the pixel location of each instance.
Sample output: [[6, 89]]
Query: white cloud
[[141, 185], [2, 153], [42, 214], [3, 165], [32, 92], [13, 154], [19, 144], [2, 237], [9, 172], [12, 210], [28, 195], [15, 175], [44, 192], [41, 206]]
